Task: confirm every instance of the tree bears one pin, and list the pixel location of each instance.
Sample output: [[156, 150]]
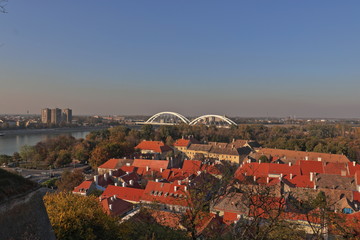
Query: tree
[[107, 150], [77, 217], [27, 152], [63, 158], [147, 132], [69, 180]]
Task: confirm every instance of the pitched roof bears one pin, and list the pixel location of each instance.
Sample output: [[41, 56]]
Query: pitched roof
[[125, 193], [154, 164], [182, 143], [310, 166], [83, 187], [166, 193], [115, 206], [335, 182], [200, 147], [301, 181], [353, 167], [336, 168], [115, 163], [156, 146], [191, 166], [292, 156]]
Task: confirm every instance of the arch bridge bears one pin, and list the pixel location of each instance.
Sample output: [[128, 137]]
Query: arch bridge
[[173, 118]]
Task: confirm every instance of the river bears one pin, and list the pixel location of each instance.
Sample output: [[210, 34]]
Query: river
[[13, 140]]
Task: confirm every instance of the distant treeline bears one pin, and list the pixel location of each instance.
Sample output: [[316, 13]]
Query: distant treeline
[[120, 141]]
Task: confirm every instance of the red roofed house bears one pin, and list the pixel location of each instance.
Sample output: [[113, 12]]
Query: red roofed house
[[132, 195], [85, 188], [292, 156], [115, 206], [156, 148], [145, 166], [170, 196], [113, 164], [182, 144]]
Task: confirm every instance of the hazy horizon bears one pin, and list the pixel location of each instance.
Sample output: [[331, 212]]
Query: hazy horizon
[[244, 59]]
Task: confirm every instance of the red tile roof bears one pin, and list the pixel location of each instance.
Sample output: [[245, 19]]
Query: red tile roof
[[292, 155], [153, 164], [111, 164], [83, 187], [353, 167], [159, 192], [356, 196], [357, 177], [182, 143], [125, 193], [115, 206], [310, 166], [336, 168], [302, 181], [155, 146], [128, 168], [230, 217], [191, 166]]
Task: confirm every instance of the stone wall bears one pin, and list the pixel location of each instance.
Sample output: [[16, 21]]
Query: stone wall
[[25, 217]]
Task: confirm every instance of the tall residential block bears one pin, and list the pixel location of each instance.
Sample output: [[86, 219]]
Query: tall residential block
[[56, 116], [45, 115], [67, 115]]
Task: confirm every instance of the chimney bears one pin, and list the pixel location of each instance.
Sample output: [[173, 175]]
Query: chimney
[[131, 182], [161, 169], [175, 188], [319, 159], [156, 180], [306, 158], [179, 182], [110, 207], [128, 164], [96, 179], [124, 184], [254, 178], [116, 184], [281, 176], [111, 172], [291, 176], [105, 176], [185, 188], [289, 164], [259, 161], [311, 176], [314, 186], [354, 163], [267, 180], [147, 168], [114, 196]]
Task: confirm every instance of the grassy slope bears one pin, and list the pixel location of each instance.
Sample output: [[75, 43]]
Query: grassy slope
[[12, 184]]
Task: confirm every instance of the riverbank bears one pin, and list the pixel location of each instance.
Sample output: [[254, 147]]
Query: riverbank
[[8, 132]]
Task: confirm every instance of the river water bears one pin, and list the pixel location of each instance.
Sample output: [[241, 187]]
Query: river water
[[13, 140]]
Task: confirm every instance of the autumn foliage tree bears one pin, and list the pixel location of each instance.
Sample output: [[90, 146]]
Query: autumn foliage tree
[[69, 180], [77, 217]]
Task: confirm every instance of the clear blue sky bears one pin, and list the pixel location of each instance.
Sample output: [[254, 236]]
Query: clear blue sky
[[240, 58]]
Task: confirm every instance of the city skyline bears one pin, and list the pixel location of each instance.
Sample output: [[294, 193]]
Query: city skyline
[[246, 59]]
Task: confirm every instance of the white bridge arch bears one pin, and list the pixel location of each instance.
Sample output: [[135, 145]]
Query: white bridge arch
[[205, 117], [181, 117]]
